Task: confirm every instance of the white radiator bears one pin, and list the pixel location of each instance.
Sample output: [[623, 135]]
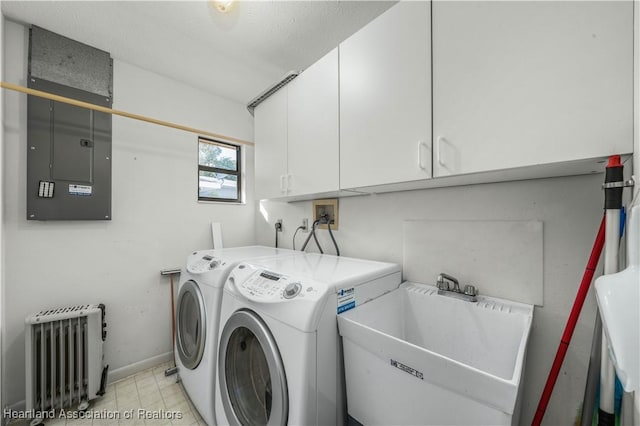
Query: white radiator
[[64, 362]]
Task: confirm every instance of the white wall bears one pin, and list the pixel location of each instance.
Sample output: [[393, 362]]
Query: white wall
[[157, 220], [570, 208]]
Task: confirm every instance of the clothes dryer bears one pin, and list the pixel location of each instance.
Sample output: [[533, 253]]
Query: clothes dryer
[[279, 354], [197, 316]]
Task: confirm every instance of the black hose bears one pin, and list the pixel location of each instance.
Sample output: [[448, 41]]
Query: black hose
[[306, 241], [278, 226], [294, 235], [333, 239], [315, 238], [312, 233]]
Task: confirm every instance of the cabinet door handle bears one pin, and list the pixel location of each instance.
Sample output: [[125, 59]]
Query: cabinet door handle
[[282, 183], [422, 148], [288, 183], [438, 149]]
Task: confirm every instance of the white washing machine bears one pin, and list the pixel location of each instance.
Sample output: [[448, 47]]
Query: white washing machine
[[279, 354], [197, 317]]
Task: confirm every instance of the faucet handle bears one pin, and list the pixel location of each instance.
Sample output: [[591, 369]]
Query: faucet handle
[[442, 285], [469, 290], [443, 282]]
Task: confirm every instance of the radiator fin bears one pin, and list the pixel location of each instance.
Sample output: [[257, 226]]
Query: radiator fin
[[65, 355]]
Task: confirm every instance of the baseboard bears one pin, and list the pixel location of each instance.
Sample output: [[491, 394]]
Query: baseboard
[[18, 406], [136, 367], [114, 376]]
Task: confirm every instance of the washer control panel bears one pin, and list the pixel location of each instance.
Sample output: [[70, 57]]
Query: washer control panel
[[291, 290], [205, 263], [267, 286]]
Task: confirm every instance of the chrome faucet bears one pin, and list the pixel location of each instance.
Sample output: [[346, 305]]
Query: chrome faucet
[[444, 289]]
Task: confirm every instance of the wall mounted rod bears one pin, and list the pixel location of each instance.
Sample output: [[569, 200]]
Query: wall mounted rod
[[87, 105], [170, 271]]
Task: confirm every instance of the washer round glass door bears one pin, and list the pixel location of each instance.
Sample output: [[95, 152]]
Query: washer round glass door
[[252, 377], [191, 325]]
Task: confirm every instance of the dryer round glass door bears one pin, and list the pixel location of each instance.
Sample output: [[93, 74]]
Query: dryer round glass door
[[252, 377], [191, 325]]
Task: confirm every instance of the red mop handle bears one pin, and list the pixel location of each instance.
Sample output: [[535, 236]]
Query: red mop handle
[[571, 324]]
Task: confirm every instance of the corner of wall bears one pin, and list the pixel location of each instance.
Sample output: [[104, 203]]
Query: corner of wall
[[636, 88]]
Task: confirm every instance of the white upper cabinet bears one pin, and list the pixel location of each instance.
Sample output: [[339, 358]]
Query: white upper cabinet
[[296, 133], [528, 83], [270, 129], [313, 151], [385, 99], [521, 90]]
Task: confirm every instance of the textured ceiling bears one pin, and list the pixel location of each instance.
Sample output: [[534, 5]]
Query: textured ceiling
[[235, 55]]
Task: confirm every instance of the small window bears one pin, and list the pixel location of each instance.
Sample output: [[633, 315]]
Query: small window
[[218, 171]]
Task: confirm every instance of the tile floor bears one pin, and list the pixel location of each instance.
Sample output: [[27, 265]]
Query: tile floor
[[147, 395]]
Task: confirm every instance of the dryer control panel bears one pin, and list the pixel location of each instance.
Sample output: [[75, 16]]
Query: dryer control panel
[[267, 286], [203, 264]]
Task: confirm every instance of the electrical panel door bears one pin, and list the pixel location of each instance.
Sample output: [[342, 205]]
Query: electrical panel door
[[68, 157]]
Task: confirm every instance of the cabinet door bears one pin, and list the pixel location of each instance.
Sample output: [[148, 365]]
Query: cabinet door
[[270, 127], [526, 83], [313, 128], [385, 99]]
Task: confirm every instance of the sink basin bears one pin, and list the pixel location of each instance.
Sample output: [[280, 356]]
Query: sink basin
[[415, 357]]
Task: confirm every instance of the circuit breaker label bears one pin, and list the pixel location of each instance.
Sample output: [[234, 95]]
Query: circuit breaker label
[[346, 299], [407, 369], [84, 190]]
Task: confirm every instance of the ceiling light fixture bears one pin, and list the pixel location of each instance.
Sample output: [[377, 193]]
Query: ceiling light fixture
[[223, 6]]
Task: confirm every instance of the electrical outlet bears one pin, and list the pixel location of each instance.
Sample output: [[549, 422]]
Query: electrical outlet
[[279, 225], [305, 225], [326, 207]]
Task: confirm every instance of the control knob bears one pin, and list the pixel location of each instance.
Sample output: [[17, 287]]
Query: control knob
[[291, 290]]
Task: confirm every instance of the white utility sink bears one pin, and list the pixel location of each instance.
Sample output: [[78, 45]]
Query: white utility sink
[[415, 357]]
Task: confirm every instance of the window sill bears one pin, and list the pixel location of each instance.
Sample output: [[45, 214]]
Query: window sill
[[224, 203]]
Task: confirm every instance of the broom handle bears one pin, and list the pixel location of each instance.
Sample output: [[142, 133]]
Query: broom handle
[[587, 277]]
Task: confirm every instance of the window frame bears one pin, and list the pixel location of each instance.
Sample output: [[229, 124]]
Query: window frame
[[237, 172]]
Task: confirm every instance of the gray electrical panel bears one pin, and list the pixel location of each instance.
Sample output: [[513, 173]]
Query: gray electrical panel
[[69, 147]]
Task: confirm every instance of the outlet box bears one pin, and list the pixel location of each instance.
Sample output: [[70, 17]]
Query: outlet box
[[305, 225], [279, 225], [327, 206]]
